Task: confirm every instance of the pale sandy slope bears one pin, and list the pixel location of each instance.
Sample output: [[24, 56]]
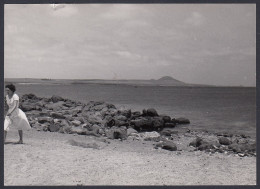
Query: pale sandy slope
[[49, 159]]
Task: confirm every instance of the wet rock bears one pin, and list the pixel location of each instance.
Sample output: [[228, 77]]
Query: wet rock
[[56, 98], [224, 141], [182, 120], [169, 125], [142, 123], [166, 119], [151, 112]]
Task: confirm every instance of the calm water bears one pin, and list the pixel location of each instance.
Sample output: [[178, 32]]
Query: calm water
[[230, 109]]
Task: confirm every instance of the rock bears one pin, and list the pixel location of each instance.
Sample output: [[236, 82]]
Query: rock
[[169, 125], [151, 112], [116, 133], [168, 132], [65, 129], [125, 113], [120, 118], [167, 145], [151, 136], [29, 96], [142, 123], [54, 127], [55, 106], [224, 141], [40, 127], [196, 143], [76, 122], [136, 114], [57, 115], [182, 120], [78, 130], [157, 123], [110, 123], [56, 98], [27, 107], [166, 119], [130, 131], [45, 119]]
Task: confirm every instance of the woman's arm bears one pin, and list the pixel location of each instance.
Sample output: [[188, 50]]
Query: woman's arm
[[10, 110]]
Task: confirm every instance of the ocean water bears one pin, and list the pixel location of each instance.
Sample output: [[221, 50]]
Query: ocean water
[[216, 109]]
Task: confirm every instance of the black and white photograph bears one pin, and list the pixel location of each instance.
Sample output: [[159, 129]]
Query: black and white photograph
[[124, 94]]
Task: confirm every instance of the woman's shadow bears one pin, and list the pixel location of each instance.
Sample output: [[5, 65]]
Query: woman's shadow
[[14, 143]]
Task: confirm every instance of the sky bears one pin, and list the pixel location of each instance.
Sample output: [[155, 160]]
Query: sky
[[211, 44]]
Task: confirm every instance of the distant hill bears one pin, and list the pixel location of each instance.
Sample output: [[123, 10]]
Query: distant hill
[[167, 80]]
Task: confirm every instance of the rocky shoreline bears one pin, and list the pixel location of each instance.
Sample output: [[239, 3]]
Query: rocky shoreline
[[101, 119]]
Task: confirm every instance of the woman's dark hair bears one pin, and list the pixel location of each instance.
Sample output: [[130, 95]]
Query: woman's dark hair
[[11, 87]]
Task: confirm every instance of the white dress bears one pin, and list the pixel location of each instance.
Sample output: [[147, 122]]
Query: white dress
[[17, 119]]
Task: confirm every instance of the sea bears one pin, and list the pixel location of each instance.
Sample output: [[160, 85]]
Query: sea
[[213, 109]]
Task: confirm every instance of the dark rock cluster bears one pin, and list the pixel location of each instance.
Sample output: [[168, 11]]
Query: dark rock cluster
[[101, 119], [57, 114], [239, 144]]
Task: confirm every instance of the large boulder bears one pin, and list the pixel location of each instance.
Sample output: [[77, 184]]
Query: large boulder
[[142, 123], [56, 98], [157, 123], [151, 112], [224, 141], [181, 120], [169, 125], [166, 119]]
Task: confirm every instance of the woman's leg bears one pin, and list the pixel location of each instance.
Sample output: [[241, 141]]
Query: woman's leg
[[5, 135], [21, 136]]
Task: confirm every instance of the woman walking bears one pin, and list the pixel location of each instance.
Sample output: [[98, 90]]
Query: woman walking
[[15, 117]]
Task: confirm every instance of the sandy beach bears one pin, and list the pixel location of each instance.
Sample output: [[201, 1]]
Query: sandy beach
[[51, 158]]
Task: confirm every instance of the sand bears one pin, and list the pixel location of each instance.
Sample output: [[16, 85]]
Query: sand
[[52, 159]]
